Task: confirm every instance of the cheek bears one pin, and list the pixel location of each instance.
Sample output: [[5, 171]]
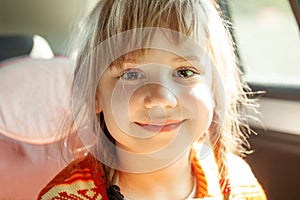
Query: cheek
[[199, 104], [116, 108], [123, 100]]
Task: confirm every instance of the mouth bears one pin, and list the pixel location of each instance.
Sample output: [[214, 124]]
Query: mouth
[[161, 127]]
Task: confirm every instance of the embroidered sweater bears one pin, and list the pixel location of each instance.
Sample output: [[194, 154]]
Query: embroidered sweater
[[84, 179]]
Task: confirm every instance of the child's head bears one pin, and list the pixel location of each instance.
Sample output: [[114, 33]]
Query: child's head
[[167, 65]]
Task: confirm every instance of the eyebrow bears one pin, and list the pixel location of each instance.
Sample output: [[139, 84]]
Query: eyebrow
[[130, 59], [183, 58], [186, 58]]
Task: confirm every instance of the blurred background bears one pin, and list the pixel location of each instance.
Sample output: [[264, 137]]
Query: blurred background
[[268, 38], [52, 19]]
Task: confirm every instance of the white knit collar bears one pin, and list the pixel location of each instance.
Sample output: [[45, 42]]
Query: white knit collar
[[190, 197]]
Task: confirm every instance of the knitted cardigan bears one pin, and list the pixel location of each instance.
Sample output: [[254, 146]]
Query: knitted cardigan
[[84, 179]]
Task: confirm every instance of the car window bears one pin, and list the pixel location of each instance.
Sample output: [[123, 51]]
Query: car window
[[268, 39]]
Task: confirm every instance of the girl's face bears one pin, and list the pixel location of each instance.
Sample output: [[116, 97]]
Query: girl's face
[[157, 100]]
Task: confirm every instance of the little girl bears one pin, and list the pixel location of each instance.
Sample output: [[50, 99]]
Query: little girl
[[156, 102]]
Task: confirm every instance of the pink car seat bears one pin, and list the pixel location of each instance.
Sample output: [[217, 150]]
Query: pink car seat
[[34, 96]]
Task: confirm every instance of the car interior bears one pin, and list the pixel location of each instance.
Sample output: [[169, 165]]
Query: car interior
[[35, 62]]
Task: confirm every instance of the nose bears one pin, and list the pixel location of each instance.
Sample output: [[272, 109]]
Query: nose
[[158, 95]]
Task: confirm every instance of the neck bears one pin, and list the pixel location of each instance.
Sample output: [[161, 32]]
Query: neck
[[172, 182]]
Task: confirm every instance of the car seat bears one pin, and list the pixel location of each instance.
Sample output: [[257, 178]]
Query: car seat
[[34, 97]]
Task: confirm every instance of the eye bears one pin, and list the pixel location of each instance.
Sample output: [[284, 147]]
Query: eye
[[132, 74], [185, 72]]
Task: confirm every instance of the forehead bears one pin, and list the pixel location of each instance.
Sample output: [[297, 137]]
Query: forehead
[[176, 42], [158, 55], [162, 43], [134, 45], [156, 38]]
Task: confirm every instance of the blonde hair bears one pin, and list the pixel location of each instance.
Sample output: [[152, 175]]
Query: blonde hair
[[198, 19]]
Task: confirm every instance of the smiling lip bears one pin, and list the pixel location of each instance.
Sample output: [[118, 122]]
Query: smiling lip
[[160, 127]]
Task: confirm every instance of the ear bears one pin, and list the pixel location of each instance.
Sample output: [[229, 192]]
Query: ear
[[98, 106]]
